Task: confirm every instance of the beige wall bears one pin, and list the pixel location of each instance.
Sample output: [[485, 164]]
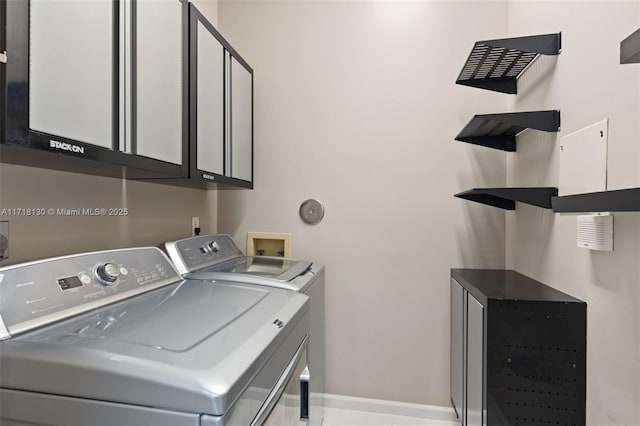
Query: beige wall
[[355, 104], [588, 84], [156, 212], [208, 8]]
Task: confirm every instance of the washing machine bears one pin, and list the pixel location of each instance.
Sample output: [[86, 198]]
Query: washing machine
[[119, 338], [217, 257]]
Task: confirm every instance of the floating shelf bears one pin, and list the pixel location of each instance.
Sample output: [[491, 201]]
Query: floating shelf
[[630, 49], [497, 64], [499, 131], [621, 200], [505, 198]]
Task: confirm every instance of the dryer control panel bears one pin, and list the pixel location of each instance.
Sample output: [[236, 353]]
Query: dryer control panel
[[199, 252], [49, 290]]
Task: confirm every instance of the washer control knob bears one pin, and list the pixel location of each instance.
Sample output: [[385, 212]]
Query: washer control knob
[[214, 247], [108, 273]]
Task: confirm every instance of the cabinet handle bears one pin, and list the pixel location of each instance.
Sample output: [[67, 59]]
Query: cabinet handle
[[304, 394], [280, 386]]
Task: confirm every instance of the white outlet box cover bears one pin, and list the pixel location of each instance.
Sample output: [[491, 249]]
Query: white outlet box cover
[[583, 160]]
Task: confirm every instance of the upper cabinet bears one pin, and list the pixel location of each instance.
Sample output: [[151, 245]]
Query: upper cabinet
[[221, 108], [102, 80], [144, 88]]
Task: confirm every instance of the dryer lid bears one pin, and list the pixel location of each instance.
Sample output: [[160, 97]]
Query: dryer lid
[[191, 347]]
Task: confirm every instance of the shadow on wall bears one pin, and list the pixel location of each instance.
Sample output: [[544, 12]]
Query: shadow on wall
[[534, 228], [486, 171], [536, 77], [476, 243], [232, 208], [481, 243], [535, 162], [611, 270]]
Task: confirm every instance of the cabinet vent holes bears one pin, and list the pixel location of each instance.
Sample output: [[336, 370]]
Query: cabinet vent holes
[[541, 406], [541, 392], [541, 348], [546, 379], [539, 421]]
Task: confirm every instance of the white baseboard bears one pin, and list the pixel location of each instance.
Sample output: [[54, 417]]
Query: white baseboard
[[423, 411]]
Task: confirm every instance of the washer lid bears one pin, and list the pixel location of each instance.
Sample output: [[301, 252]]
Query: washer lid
[[275, 272], [190, 347], [273, 268]]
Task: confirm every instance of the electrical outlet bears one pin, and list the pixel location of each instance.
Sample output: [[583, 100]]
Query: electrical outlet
[[195, 225], [4, 239]]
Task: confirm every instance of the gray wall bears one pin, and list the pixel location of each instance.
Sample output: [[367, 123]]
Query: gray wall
[[588, 84], [355, 104], [156, 212]]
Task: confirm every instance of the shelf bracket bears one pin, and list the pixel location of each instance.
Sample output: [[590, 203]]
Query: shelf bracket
[[496, 64], [630, 49], [620, 200], [505, 198], [499, 131]]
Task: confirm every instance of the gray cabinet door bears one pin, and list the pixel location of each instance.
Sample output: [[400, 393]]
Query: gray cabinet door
[[457, 349], [241, 122], [71, 70], [210, 144], [475, 362], [158, 96]]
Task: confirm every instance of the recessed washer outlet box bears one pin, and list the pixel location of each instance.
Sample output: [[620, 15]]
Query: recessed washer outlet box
[[268, 244], [595, 232]]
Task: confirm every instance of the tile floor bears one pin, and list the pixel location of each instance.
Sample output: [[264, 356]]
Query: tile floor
[[340, 417]]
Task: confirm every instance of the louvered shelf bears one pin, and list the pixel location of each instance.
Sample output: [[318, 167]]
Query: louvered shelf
[[630, 49], [499, 131], [505, 198], [497, 64], [621, 200]]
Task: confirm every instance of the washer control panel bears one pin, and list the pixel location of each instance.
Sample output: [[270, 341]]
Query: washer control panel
[[205, 250], [36, 293]]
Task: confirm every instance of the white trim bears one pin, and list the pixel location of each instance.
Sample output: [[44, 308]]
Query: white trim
[[396, 408]]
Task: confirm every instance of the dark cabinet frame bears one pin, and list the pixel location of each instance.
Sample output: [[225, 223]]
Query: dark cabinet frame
[[196, 173]]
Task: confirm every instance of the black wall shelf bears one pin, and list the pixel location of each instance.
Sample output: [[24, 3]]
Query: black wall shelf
[[497, 64], [499, 131], [505, 198], [630, 49], [621, 200]]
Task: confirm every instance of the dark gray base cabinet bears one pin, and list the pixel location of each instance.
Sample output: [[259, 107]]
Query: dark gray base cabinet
[[518, 351]]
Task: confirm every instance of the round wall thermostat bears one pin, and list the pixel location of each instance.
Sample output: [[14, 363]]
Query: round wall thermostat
[[311, 211]]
